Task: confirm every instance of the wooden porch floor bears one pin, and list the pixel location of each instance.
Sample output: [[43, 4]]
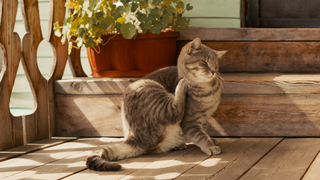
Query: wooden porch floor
[[241, 158]]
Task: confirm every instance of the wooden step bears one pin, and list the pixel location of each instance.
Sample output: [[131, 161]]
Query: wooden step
[[261, 50], [251, 105]]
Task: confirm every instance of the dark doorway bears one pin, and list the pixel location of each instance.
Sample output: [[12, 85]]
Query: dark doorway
[[283, 13]]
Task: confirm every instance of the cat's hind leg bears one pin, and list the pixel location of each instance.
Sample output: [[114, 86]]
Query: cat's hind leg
[[173, 138], [100, 159]]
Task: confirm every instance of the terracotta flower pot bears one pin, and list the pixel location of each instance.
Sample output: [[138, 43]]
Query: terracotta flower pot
[[133, 58]]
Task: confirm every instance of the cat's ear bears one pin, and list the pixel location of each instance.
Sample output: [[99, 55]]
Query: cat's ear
[[195, 45], [220, 53]]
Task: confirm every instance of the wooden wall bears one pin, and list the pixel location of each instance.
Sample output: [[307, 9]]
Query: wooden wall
[[215, 13]]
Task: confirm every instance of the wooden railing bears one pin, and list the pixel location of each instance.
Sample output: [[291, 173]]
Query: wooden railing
[[16, 131]]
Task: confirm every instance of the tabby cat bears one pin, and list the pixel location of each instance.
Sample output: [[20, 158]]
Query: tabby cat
[[166, 107]]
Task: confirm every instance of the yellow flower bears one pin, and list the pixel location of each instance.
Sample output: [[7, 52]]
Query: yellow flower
[[121, 20], [98, 41], [71, 4]]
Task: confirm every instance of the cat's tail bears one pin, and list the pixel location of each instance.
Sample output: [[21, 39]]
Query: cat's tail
[[100, 159]]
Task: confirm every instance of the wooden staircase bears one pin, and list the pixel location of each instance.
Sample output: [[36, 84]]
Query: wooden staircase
[[271, 87]]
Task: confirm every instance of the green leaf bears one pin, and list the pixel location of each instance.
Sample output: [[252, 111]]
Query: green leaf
[[170, 9], [127, 8], [136, 35], [180, 5], [155, 29], [119, 9], [155, 16], [125, 2], [118, 26], [95, 21], [141, 16], [128, 30], [169, 18], [189, 7], [184, 22], [143, 28], [148, 22], [143, 4], [167, 2], [156, 2], [89, 24], [80, 2], [163, 23], [67, 20], [90, 42], [107, 23], [99, 14], [81, 31], [155, 10], [176, 1], [134, 7]]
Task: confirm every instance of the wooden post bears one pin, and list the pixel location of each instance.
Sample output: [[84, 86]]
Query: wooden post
[[30, 43], [10, 127], [60, 55]]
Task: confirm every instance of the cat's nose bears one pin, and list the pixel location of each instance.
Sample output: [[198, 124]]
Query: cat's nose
[[212, 71]]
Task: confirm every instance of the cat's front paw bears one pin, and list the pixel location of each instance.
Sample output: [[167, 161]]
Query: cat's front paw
[[183, 85], [213, 150]]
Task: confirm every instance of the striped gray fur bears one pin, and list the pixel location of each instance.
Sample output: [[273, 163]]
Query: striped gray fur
[[166, 107]]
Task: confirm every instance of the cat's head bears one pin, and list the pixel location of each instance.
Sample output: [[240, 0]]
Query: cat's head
[[198, 63]]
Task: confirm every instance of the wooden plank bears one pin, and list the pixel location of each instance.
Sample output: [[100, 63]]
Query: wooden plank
[[142, 166], [129, 166], [266, 115], [240, 83], [267, 57], [11, 52], [97, 115], [313, 172], [26, 163], [215, 22], [250, 34], [289, 160], [234, 161], [90, 86], [31, 147], [217, 8], [75, 162], [171, 167], [280, 105], [60, 56]]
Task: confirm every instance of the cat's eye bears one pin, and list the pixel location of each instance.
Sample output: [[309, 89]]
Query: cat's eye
[[204, 62]]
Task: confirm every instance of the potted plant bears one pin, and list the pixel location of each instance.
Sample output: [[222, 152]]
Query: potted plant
[[126, 38]]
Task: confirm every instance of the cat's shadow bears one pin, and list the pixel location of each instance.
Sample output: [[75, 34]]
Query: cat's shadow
[[265, 105]]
